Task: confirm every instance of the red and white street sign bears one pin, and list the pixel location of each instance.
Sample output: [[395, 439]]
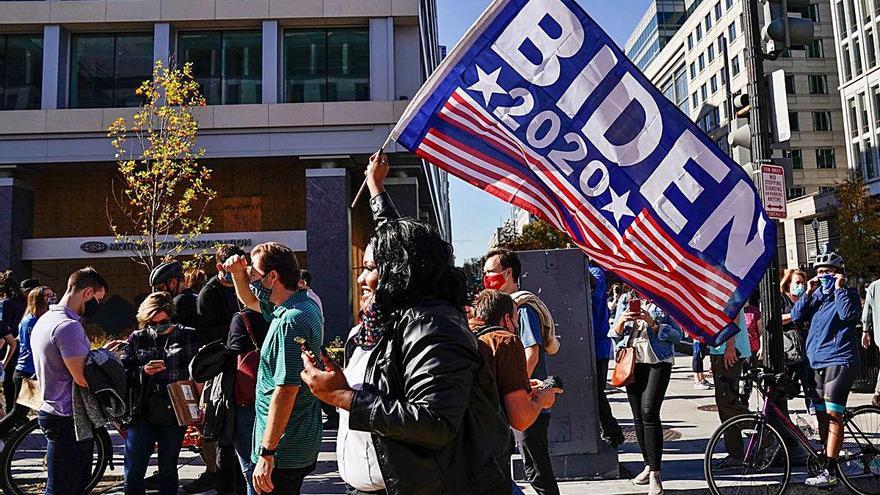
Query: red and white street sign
[[773, 190]]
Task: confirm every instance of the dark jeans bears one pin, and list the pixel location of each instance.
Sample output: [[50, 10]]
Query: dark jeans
[[228, 467], [697, 360], [19, 413], [607, 422], [244, 432], [142, 437], [645, 396], [68, 462], [286, 481], [10, 389], [535, 451], [728, 401]]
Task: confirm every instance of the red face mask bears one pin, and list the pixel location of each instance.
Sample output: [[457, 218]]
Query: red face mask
[[493, 281]]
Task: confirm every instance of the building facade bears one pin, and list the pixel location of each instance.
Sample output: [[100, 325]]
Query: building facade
[[659, 24], [299, 94], [691, 71], [855, 33]]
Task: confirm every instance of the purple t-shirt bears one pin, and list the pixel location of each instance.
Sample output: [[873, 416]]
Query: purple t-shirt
[[58, 334]]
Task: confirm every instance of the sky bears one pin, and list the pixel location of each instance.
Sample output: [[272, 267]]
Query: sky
[[475, 213]]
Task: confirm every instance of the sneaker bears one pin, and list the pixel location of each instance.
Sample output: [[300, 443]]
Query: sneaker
[[702, 386], [206, 481], [151, 482], [707, 383], [824, 479]]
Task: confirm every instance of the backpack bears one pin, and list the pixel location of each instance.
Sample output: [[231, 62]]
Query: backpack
[[548, 327]]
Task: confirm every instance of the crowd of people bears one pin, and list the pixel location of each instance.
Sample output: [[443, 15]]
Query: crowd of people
[[435, 386]]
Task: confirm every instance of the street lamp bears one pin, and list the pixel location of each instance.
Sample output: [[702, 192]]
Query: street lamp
[[815, 226]]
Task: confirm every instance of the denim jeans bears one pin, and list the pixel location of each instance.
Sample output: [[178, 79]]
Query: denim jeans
[[68, 462], [286, 481], [142, 436], [244, 432]]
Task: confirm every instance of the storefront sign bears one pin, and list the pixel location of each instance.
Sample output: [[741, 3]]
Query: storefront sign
[[59, 248]]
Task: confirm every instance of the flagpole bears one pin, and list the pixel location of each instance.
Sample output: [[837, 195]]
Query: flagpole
[[364, 183]]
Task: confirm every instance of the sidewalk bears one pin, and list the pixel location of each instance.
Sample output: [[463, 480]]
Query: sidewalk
[[688, 432]]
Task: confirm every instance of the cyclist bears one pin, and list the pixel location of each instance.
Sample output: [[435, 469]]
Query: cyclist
[[833, 310]]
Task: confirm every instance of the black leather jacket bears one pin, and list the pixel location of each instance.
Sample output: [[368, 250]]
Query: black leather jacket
[[434, 428]]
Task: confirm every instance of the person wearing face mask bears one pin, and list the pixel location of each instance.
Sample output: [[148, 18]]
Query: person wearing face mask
[[833, 311], [60, 349], [287, 428], [793, 286], [871, 326], [216, 305], [158, 354], [168, 277], [501, 271]]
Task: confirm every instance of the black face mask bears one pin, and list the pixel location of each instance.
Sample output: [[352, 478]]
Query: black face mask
[[91, 309]]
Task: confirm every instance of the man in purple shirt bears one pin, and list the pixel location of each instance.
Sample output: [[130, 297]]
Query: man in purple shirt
[[60, 348]]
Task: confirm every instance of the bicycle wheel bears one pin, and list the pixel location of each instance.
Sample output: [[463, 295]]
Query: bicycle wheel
[[765, 468], [23, 460], [859, 460]]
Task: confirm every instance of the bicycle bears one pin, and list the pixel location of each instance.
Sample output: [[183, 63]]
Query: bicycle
[[764, 466], [23, 466]]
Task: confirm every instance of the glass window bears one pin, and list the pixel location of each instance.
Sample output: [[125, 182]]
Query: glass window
[[789, 84], [734, 65], [875, 91], [866, 11], [857, 56], [825, 158], [227, 64], [718, 11], [701, 61], [695, 100], [821, 121], [21, 72], [815, 49], [721, 45], [326, 65], [847, 63], [699, 32], [796, 157], [725, 80], [704, 92], [691, 41], [813, 12], [693, 70], [793, 121], [729, 3], [853, 117], [818, 84], [731, 31], [713, 83], [107, 69], [863, 105], [870, 50], [708, 22], [796, 192], [877, 7], [841, 20], [870, 171], [711, 53]]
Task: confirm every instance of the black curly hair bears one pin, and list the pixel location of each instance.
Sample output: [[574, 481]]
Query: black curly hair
[[415, 263]]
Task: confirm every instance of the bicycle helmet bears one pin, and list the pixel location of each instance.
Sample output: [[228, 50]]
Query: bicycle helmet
[[165, 272], [832, 260]]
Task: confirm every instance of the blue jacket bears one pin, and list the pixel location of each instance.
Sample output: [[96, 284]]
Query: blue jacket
[[833, 339], [599, 305], [662, 342]]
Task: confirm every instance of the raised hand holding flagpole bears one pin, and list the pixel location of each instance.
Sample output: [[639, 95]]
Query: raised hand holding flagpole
[[363, 187]]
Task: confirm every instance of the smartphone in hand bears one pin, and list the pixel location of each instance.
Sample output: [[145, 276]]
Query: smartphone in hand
[[304, 348], [635, 305]]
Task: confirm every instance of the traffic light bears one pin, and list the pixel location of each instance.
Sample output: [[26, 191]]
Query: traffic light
[[741, 136], [781, 31], [778, 102]]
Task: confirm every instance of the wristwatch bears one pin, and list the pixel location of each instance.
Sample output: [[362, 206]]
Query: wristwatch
[[264, 452]]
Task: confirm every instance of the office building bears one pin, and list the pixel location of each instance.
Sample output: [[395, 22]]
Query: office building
[[691, 71], [659, 24], [299, 94]]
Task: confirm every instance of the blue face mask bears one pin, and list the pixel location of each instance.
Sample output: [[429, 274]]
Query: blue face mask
[[261, 292], [227, 277], [797, 290], [827, 282]]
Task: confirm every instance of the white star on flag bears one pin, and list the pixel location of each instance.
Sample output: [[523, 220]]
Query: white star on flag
[[618, 206], [487, 84]]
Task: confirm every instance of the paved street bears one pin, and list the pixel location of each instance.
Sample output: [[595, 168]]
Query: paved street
[[689, 431]]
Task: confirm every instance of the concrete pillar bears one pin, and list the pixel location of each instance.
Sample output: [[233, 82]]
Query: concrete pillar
[[54, 68], [163, 43], [328, 226], [561, 278], [271, 62], [382, 58], [16, 223]]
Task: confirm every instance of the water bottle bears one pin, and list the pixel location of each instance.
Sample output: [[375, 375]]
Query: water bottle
[[805, 426]]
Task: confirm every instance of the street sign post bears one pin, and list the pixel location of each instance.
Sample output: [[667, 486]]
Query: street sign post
[[773, 189]]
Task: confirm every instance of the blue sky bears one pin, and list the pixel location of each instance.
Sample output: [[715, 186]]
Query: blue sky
[[475, 213]]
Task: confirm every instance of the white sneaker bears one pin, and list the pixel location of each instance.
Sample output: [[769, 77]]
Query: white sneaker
[[824, 479], [702, 386]]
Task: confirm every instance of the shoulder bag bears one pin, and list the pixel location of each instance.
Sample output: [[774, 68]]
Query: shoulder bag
[[625, 369], [247, 365]]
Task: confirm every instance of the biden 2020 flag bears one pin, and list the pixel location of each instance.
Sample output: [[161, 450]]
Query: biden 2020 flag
[[539, 107]]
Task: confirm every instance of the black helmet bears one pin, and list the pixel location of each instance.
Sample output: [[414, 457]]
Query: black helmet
[[832, 260], [165, 272]]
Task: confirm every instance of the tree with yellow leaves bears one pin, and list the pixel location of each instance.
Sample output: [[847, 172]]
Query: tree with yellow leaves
[[162, 193]]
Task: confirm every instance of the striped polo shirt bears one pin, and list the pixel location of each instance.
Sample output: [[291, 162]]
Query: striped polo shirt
[[281, 364]]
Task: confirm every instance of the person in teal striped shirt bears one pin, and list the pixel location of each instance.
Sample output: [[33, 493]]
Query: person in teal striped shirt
[[287, 430]]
